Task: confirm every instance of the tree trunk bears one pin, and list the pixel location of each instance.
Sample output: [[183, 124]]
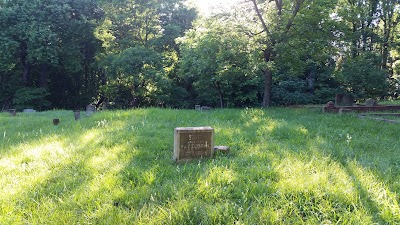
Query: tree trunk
[[268, 54], [25, 64], [385, 45], [44, 75], [267, 88], [270, 41], [221, 95], [221, 99]]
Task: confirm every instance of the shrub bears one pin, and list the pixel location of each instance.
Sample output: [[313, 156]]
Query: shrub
[[28, 97], [363, 77]]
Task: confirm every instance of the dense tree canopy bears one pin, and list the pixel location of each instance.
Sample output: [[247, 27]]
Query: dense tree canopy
[[135, 53]]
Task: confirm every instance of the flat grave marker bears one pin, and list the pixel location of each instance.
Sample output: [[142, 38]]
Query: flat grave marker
[[29, 111], [193, 143]]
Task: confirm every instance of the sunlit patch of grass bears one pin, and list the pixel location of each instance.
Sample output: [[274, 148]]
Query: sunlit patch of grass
[[380, 197], [32, 165], [217, 183], [286, 166]]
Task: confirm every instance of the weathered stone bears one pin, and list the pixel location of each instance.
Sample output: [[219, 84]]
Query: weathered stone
[[371, 102], [29, 110], [330, 104], [193, 143], [205, 108], [344, 100], [221, 149], [13, 112], [197, 107], [77, 114], [56, 122], [90, 109]]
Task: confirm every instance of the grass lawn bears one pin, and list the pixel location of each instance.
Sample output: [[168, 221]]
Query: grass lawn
[[286, 166]]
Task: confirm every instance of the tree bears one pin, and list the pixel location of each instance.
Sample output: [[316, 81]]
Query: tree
[[133, 32], [281, 22], [363, 77], [217, 63], [41, 37], [275, 30], [368, 34]]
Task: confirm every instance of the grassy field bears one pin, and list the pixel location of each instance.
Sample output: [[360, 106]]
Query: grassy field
[[286, 166]]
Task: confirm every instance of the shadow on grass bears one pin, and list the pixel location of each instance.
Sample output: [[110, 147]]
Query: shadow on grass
[[305, 138], [119, 169], [61, 181]]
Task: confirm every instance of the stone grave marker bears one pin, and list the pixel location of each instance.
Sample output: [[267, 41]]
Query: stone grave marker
[[344, 100], [205, 109], [56, 121], [371, 102], [13, 112], [90, 109], [197, 107], [222, 149], [193, 143], [77, 114], [29, 110]]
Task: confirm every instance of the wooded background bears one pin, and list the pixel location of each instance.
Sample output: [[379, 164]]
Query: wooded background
[[140, 53]]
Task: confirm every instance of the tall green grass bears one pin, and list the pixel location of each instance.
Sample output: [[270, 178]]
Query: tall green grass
[[286, 166]]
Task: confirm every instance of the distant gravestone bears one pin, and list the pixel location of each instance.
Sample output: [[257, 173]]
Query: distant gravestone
[[90, 109], [56, 122], [77, 114], [193, 143], [371, 102], [29, 110], [330, 104], [344, 100], [205, 108], [197, 107], [13, 112]]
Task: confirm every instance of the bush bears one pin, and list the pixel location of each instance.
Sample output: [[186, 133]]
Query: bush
[[291, 91], [28, 97], [363, 77]]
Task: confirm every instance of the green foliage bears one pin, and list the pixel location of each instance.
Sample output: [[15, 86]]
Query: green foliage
[[51, 42], [291, 91], [140, 50], [137, 69], [34, 98], [363, 77], [219, 66], [118, 93]]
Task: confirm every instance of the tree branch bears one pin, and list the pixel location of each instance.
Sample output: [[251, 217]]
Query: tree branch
[[279, 6], [252, 34], [264, 24], [294, 14]]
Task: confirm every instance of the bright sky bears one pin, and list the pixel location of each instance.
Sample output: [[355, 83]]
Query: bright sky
[[208, 6]]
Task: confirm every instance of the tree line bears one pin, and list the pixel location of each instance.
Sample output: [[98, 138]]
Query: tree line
[[140, 53]]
